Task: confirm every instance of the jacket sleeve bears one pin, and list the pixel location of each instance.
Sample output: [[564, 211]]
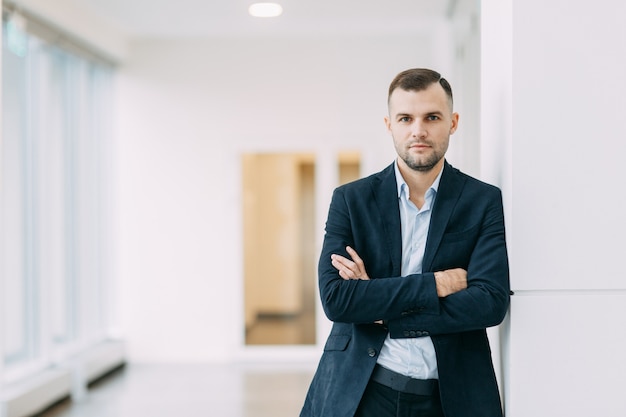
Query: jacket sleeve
[[485, 301], [410, 305], [366, 301]]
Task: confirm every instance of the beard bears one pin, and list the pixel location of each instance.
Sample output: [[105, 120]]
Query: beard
[[422, 163]]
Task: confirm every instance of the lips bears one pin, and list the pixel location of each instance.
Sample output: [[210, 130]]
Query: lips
[[419, 146]]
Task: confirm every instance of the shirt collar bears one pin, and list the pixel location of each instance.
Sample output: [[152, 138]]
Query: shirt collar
[[403, 185]]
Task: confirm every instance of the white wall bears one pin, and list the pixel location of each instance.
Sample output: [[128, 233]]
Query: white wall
[[187, 110], [554, 91]]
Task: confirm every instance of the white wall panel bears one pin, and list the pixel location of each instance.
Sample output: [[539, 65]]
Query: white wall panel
[[560, 156], [569, 96], [566, 354]]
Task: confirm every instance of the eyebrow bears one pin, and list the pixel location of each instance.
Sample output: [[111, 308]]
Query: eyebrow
[[429, 113]]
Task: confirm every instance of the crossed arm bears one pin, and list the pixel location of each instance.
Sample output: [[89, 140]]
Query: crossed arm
[[447, 282], [467, 289]]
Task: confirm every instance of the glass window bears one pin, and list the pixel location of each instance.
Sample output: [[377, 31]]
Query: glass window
[[56, 109], [18, 294]]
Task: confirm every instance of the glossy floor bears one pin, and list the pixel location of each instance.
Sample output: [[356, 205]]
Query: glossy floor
[[298, 330], [193, 390]]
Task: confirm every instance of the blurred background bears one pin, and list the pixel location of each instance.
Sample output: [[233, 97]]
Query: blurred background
[[166, 169]]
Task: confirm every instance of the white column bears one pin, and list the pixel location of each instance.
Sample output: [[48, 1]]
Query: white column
[[554, 92], [495, 127]]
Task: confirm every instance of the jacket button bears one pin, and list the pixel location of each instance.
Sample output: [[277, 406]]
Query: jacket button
[[371, 352]]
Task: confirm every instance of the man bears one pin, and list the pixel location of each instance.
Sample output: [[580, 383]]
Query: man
[[412, 271]]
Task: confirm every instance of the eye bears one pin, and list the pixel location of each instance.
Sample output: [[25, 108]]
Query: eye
[[432, 117], [404, 119]]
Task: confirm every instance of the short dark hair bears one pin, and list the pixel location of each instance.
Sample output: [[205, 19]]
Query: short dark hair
[[418, 79]]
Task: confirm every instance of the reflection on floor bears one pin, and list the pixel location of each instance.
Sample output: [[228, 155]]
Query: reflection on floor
[[193, 390], [283, 330]]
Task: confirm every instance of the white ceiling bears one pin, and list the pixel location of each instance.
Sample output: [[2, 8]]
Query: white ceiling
[[166, 18]]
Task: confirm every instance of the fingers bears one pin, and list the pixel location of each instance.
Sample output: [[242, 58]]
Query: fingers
[[355, 256], [450, 281], [358, 261], [460, 273], [460, 277], [347, 268]]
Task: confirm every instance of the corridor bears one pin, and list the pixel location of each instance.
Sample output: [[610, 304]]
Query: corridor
[[188, 390]]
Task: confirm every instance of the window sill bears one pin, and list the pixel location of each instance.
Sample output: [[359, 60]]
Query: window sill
[[38, 392]]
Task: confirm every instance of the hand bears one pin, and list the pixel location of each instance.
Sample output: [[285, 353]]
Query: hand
[[349, 269], [450, 281]]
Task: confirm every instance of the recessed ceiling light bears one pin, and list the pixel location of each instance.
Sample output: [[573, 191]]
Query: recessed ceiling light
[[265, 10]]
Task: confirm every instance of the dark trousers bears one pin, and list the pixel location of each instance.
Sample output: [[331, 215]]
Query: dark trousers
[[381, 401]]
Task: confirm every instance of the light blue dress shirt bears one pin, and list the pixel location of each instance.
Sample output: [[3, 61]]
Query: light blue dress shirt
[[414, 357]]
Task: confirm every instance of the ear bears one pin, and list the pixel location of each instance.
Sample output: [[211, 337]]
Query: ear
[[388, 123], [454, 123]]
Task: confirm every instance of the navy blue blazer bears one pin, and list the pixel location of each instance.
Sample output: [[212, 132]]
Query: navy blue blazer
[[466, 231]]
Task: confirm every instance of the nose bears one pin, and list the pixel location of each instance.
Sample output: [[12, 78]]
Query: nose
[[418, 130]]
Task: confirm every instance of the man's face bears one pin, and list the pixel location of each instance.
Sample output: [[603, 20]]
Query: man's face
[[420, 123]]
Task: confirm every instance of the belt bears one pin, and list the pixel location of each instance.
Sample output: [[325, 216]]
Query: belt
[[404, 383]]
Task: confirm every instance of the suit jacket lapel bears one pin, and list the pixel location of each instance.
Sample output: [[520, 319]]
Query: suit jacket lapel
[[448, 193], [385, 191]]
